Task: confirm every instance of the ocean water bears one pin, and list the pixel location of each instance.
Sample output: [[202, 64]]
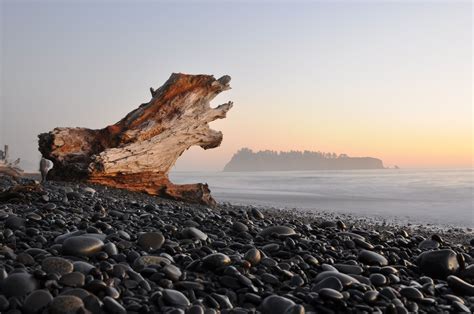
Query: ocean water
[[439, 197]]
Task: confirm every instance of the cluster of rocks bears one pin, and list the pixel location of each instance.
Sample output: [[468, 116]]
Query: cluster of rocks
[[71, 248]]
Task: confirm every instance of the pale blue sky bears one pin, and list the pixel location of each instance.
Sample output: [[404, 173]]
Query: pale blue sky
[[386, 79]]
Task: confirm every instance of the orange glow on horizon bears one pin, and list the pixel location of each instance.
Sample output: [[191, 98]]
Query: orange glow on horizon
[[407, 146]]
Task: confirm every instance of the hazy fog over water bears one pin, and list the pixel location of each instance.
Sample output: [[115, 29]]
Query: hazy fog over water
[[441, 197]]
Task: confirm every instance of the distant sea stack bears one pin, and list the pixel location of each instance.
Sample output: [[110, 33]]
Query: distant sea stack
[[247, 160]]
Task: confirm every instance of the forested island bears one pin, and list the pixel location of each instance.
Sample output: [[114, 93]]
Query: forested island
[[247, 160]]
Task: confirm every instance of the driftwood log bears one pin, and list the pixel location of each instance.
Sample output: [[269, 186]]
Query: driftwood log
[[7, 167], [137, 152]]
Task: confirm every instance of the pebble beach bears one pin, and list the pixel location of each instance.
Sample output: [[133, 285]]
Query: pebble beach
[[78, 248]]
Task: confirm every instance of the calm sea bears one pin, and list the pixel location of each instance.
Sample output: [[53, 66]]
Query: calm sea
[[440, 197]]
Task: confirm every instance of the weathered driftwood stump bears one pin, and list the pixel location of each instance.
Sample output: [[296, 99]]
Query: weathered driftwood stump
[[137, 152], [7, 167]]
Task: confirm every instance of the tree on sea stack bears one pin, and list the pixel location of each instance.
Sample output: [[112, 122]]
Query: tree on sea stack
[[137, 152]]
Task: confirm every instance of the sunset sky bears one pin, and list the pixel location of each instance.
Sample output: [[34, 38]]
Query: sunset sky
[[391, 80]]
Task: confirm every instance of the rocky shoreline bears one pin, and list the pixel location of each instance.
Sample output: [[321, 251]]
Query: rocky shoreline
[[75, 248]]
